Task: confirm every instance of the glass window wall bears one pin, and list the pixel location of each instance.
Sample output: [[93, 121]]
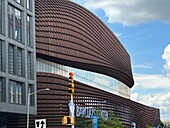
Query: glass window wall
[[18, 1], [11, 59], [16, 92], [29, 65], [15, 60], [29, 41], [12, 93], [14, 24], [29, 4], [1, 89], [19, 93], [10, 21], [97, 80], [1, 56], [32, 99], [1, 13], [19, 62]]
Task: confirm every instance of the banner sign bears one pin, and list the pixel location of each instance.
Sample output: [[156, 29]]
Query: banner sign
[[94, 122], [89, 112]]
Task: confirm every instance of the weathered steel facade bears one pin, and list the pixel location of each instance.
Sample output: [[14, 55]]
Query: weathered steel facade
[[53, 104], [68, 34]]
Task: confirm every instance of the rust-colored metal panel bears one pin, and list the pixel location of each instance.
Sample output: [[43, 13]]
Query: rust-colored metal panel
[[69, 34], [53, 104]]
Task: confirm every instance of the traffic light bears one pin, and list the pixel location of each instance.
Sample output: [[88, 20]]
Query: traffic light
[[68, 120], [71, 84]]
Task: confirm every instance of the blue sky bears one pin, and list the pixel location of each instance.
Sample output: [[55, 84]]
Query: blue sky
[[143, 27]]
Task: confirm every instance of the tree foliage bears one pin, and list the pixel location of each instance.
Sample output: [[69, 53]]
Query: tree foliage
[[147, 126]]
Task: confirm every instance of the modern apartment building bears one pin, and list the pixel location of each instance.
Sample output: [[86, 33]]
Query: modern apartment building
[[17, 58]]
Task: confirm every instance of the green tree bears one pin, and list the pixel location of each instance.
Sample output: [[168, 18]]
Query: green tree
[[147, 126], [162, 124], [83, 122], [111, 122]]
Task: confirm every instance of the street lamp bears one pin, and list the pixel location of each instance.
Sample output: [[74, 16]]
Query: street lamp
[[28, 102]]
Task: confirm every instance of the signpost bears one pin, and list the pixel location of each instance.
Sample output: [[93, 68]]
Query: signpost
[[71, 106], [40, 123], [69, 120]]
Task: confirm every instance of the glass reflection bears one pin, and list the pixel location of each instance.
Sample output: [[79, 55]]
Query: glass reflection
[[17, 25], [14, 23], [0, 16], [18, 1], [97, 80], [29, 4], [28, 31]]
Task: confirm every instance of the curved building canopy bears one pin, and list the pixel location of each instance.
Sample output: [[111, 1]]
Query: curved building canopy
[[69, 34]]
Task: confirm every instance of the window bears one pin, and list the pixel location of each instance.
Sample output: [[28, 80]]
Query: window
[[2, 18], [29, 31], [16, 92], [1, 13], [29, 4], [12, 91], [31, 90], [1, 90], [29, 73], [1, 56], [14, 24], [15, 60], [19, 62], [19, 93], [11, 59], [29, 65], [18, 1], [10, 21], [17, 25]]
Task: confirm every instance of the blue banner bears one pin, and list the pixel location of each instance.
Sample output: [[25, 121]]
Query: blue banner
[[95, 122]]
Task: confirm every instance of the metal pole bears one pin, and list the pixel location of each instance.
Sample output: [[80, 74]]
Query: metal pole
[[28, 106], [72, 126], [72, 98], [28, 102]]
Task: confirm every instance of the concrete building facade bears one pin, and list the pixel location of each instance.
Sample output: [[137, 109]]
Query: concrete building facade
[[17, 58]]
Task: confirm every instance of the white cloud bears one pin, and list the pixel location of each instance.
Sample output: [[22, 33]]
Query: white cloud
[[131, 12], [152, 90], [144, 66], [118, 34], [146, 81], [160, 100], [166, 57], [134, 96]]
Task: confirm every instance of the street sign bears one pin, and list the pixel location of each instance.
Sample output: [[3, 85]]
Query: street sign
[[94, 122], [71, 106], [133, 124], [40, 123]]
